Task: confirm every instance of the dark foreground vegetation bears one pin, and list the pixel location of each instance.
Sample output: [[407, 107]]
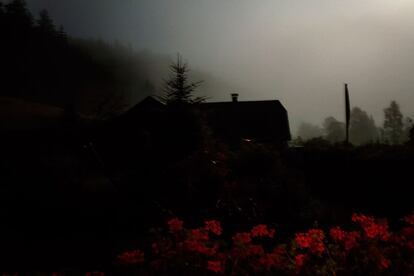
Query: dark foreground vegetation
[[82, 195]]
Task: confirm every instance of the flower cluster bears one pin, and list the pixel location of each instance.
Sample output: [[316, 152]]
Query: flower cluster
[[371, 248], [372, 229], [262, 230], [198, 241], [215, 266], [348, 240], [131, 257], [175, 225], [312, 240], [95, 273], [213, 226]]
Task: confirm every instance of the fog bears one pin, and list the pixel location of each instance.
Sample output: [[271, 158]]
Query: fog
[[298, 51]]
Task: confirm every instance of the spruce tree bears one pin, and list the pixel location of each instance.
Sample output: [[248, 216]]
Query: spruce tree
[[45, 23], [178, 89], [19, 15], [393, 123]]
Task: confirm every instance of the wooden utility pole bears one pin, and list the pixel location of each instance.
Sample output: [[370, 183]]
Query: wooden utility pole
[[347, 113]]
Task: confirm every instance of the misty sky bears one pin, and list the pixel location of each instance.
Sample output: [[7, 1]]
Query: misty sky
[[298, 51]]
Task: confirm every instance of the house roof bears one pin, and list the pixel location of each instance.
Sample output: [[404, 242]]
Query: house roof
[[149, 103], [267, 120], [246, 105]]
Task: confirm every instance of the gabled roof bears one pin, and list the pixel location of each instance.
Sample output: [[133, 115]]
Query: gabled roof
[[149, 103], [267, 120], [246, 105]]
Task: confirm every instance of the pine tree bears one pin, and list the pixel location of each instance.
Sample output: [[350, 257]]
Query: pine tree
[[393, 123], [18, 14], [62, 35], [2, 18], [45, 23], [178, 89], [1, 10]]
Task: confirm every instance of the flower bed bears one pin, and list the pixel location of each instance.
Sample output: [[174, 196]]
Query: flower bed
[[370, 248]]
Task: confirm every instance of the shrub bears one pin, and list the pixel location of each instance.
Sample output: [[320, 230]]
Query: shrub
[[370, 248]]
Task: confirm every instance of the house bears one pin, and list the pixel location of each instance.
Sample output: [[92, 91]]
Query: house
[[262, 121]]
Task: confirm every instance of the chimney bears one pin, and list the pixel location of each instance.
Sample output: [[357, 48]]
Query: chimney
[[235, 97]]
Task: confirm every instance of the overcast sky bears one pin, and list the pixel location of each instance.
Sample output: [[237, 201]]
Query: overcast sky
[[298, 51]]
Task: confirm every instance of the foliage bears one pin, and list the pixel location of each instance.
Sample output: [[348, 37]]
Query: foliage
[[411, 141], [334, 130], [368, 248], [178, 90], [362, 127], [408, 127], [41, 63], [393, 124], [45, 23], [308, 131], [318, 142]]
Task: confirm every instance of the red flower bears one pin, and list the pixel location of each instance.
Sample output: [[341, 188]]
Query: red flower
[[406, 237], [317, 248], [316, 234], [372, 229], [214, 227], [362, 219], [384, 263], [196, 242], [261, 230], [198, 234], [300, 260], [313, 240], [200, 247], [255, 250], [408, 231], [215, 266], [303, 240], [267, 261], [242, 238], [131, 257], [337, 234], [409, 219], [175, 225], [95, 273], [351, 240]]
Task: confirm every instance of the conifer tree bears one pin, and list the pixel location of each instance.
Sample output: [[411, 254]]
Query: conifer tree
[[178, 89], [45, 23], [17, 12], [393, 123]]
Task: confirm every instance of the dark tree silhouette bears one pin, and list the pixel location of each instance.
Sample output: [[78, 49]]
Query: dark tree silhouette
[[408, 125], [19, 14], [393, 123], [45, 23], [308, 131], [62, 35], [334, 130], [178, 89], [362, 127], [2, 19]]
